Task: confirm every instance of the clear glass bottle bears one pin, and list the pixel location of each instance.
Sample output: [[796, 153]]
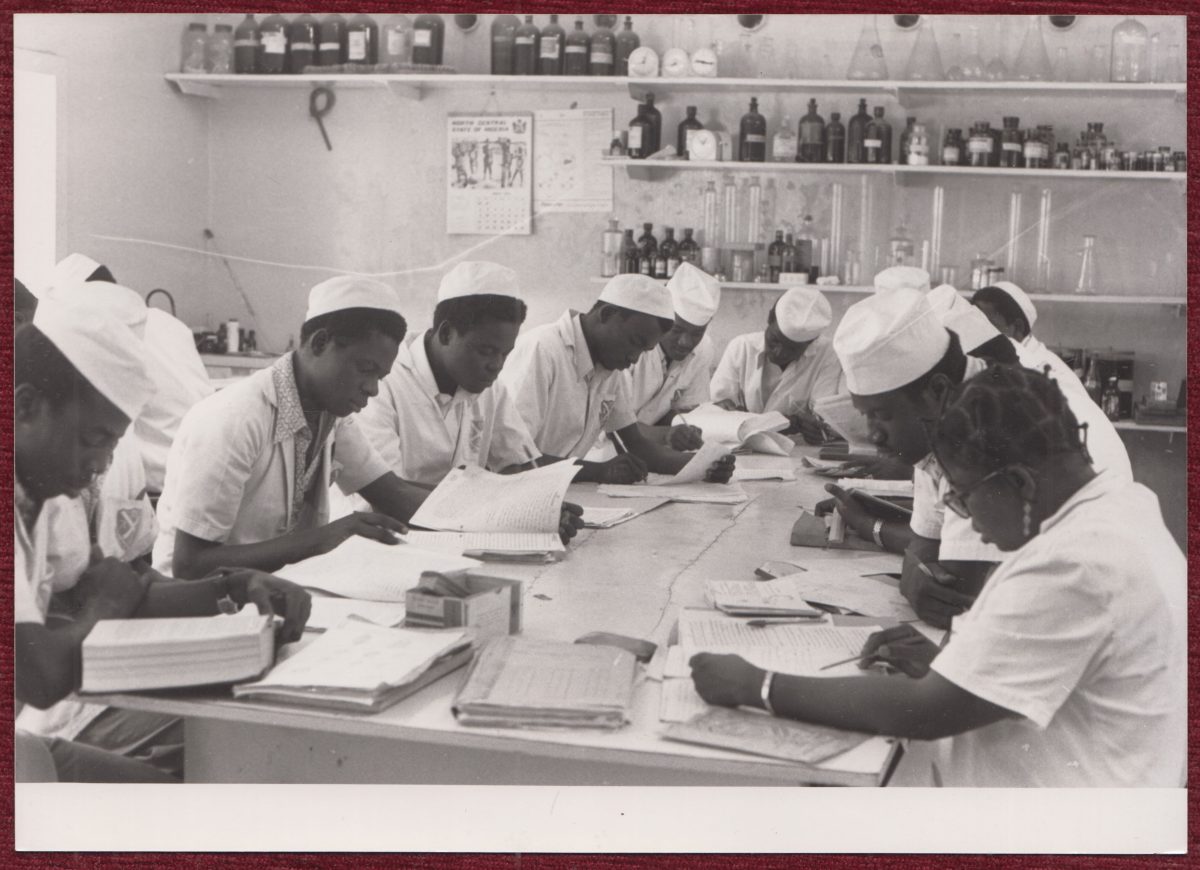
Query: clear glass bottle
[[925, 62], [752, 135], [712, 226], [195, 43], [812, 136], [627, 42], [996, 69], [877, 142], [218, 50], [868, 62], [525, 48], [981, 267], [550, 48], [687, 128], [1130, 50], [1091, 382], [610, 250], [954, 72], [918, 146], [602, 52], [575, 51], [905, 135], [900, 248], [784, 143], [1157, 59], [504, 31], [1012, 146], [835, 139], [856, 133], [1033, 62], [395, 40]]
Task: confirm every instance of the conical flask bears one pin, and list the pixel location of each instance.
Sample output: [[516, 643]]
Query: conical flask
[[925, 62], [868, 62], [972, 64], [1086, 285], [996, 70], [1033, 62]]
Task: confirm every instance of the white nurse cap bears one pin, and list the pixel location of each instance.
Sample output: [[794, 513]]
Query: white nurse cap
[[802, 314], [1022, 299], [639, 293], [695, 294], [71, 269], [956, 313], [119, 302], [350, 291], [478, 278], [889, 340], [902, 278]]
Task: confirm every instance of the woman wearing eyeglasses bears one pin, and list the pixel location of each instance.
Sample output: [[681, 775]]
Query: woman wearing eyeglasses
[[1069, 669]]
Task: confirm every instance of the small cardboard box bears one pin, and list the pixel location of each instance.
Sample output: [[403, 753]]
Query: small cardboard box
[[494, 606]]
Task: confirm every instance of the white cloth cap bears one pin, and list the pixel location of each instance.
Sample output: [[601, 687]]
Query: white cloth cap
[[102, 349], [889, 340], [478, 278], [956, 313], [803, 313], [71, 269], [1022, 299], [119, 302], [902, 278], [695, 294], [639, 293], [350, 291]]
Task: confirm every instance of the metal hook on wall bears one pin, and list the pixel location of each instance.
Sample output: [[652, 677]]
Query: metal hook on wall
[[320, 103]]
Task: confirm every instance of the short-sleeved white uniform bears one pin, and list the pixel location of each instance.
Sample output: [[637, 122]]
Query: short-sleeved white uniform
[[748, 378], [1082, 633], [565, 398], [658, 385]]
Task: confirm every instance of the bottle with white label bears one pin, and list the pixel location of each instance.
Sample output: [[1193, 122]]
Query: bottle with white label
[[550, 48], [395, 40], [272, 44], [639, 134], [525, 48], [783, 146], [877, 143], [1012, 145], [331, 47], [753, 135], [918, 146], [429, 30], [575, 51], [687, 128], [602, 53], [303, 34], [362, 40]]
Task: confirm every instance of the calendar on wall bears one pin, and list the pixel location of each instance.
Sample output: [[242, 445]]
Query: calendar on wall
[[489, 177]]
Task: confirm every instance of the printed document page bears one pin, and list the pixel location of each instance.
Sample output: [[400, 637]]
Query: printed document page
[[473, 499], [329, 612], [848, 589]]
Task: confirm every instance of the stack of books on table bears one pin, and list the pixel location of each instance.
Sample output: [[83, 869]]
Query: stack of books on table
[[519, 683]]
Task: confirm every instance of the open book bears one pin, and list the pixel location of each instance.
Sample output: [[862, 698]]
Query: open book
[[517, 515], [756, 432], [121, 655], [519, 683], [362, 667]]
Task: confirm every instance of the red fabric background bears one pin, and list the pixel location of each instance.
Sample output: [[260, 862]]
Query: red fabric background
[[569, 862]]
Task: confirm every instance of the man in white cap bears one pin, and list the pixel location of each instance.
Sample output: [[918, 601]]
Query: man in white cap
[[180, 379], [566, 377], [976, 335], [443, 405], [674, 377], [1012, 312], [80, 378], [785, 367], [902, 278], [249, 473]]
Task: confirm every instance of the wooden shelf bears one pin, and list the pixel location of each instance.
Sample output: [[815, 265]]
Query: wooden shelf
[[755, 285]]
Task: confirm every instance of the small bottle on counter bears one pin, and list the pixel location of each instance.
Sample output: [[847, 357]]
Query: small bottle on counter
[[525, 48], [219, 50], [429, 33], [905, 135], [626, 42], [504, 30], [575, 51], [784, 145], [687, 128], [602, 52], [877, 144], [812, 136], [630, 259], [272, 44], [331, 44], [689, 251], [303, 35], [195, 45], [395, 40], [979, 146], [953, 148], [550, 48], [1012, 147], [610, 250], [1036, 150], [362, 40], [1062, 156], [639, 134], [752, 135], [856, 133], [835, 139], [245, 46]]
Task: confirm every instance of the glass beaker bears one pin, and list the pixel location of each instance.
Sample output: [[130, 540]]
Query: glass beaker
[[1130, 47], [925, 62], [1086, 285], [868, 62], [1033, 63]]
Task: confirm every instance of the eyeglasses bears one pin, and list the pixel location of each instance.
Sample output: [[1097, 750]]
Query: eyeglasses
[[956, 499]]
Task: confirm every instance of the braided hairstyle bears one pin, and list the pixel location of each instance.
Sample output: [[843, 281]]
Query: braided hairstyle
[[1008, 415]]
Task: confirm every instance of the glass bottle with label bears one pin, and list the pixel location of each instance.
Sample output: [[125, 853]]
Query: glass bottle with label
[[639, 134], [1012, 148], [504, 31], [1111, 400], [602, 52], [752, 135], [979, 146], [610, 250], [905, 135], [575, 51], [660, 262], [429, 32], [525, 48], [689, 251], [835, 139], [812, 136], [395, 40], [1036, 151], [647, 250], [550, 48], [669, 251], [303, 35], [877, 143], [272, 44], [362, 40], [918, 146], [630, 259], [655, 118], [245, 46], [331, 48], [1062, 156], [784, 143], [218, 52], [775, 257], [627, 41], [953, 149], [856, 133], [195, 39], [687, 128], [1130, 52]]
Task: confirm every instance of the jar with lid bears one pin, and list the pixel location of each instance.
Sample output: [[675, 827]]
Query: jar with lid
[[979, 145], [1062, 156], [1012, 149], [429, 33], [918, 146], [195, 41], [362, 40], [395, 39], [953, 148], [1110, 157], [1037, 151], [272, 44], [219, 50], [1179, 159], [331, 48]]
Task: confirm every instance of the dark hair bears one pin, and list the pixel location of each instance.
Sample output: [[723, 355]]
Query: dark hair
[[664, 324], [355, 324], [37, 362], [102, 274], [997, 349], [24, 301], [953, 365], [1005, 306], [1007, 415], [467, 312]]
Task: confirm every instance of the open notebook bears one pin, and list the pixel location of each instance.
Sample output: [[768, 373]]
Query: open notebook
[[756, 432], [498, 516]]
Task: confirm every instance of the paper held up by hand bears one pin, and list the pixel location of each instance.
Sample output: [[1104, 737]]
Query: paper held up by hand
[[839, 412], [696, 468], [472, 499], [757, 432]]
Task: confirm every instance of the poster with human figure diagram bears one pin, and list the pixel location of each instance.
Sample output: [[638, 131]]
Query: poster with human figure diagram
[[489, 174]]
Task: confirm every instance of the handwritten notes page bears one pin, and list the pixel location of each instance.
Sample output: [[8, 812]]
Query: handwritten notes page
[[680, 701], [755, 597], [733, 427], [473, 499], [848, 589], [760, 734], [481, 544]]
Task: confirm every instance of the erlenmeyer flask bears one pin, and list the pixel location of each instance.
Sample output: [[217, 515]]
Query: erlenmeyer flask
[[954, 72], [1087, 267], [1033, 63], [996, 70], [972, 65], [868, 62], [925, 62], [1130, 46]]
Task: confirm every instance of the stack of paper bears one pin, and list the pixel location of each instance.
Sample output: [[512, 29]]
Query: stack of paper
[[121, 655], [756, 432], [847, 588], [694, 493], [606, 518], [493, 546], [362, 667], [758, 598], [517, 513], [518, 683], [367, 569]]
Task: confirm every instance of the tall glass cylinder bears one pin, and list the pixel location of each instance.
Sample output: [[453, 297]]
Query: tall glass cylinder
[[1014, 235], [753, 212], [730, 231], [1130, 52], [712, 221], [1042, 280], [935, 229]]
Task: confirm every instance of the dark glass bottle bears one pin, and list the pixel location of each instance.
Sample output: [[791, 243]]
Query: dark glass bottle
[[272, 44], [331, 47], [905, 136], [303, 36], [811, 148], [550, 48], [689, 124], [790, 263], [245, 46], [668, 252], [362, 40], [575, 51], [525, 48], [655, 117], [877, 144], [775, 257], [835, 139], [602, 52], [640, 134], [629, 254], [856, 132], [752, 135], [504, 29], [626, 41], [953, 148], [689, 251], [1012, 145], [429, 33], [647, 250], [996, 143]]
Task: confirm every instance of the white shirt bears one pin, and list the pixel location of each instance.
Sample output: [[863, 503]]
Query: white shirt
[[231, 475], [745, 376], [565, 398], [1082, 632], [657, 385], [180, 381], [422, 433], [31, 580]]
